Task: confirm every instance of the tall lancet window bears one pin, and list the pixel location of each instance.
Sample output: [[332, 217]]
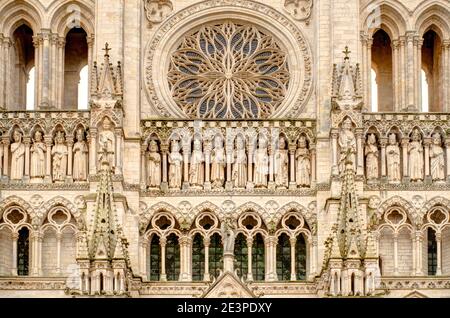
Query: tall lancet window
[[23, 248], [432, 66], [383, 94]]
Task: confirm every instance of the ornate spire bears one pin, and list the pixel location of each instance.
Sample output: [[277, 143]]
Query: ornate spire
[[107, 240]]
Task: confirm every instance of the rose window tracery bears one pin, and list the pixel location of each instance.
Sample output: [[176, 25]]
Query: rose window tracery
[[228, 70]]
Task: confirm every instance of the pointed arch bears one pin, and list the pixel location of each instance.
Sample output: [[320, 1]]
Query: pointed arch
[[17, 201], [60, 201], [145, 218], [436, 201], [206, 206], [432, 15], [21, 12], [296, 207], [391, 16], [61, 13], [397, 201]]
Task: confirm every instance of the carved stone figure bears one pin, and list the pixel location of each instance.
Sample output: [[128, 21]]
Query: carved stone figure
[[37, 162], [303, 159], [437, 160], [175, 166], [197, 169], [80, 157], [107, 143], [59, 154], [17, 156], [415, 151], [240, 165], [261, 164], [218, 163], [393, 159], [281, 160], [228, 229], [347, 144], [371, 152], [153, 165]]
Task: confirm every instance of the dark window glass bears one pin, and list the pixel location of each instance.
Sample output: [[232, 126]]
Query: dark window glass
[[300, 257], [155, 258], [258, 264], [432, 252], [198, 258], [23, 249], [215, 255], [284, 258], [172, 258], [241, 255]]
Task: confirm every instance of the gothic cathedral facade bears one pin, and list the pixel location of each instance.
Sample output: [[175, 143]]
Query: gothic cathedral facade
[[225, 148]]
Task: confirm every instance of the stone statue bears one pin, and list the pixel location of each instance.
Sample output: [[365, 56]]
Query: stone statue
[[153, 165], [281, 161], [218, 163], [393, 159], [197, 169], [80, 157], [228, 229], [107, 144], [347, 144], [371, 153], [59, 153], [415, 151], [437, 160], [303, 158], [17, 156], [261, 164], [37, 162], [175, 166], [240, 164]]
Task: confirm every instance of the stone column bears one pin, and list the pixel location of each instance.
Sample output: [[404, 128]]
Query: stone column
[[360, 149], [185, 265], [249, 259], [61, 48], [403, 73], [37, 42], [69, 177], [368, 63], [334, 150], [186, 152], [207, 151], [15, 237], [292, 149], [58, 253], [48, 170], [419, 240], [405, 159], [250, 150], [418, 44], [314, 251], [206, 276], [92, 151], [90, 41], [447, 150], [383, 144], [143, 166], [427, 143], [143, 258], [27, 141], [119, 141], [395, 253], [447, 74], [54, 69], [414, 253], [162, 243], [45, 74], [410, 69], [6, 142], [312, 149], [364, 37], [395, 77], [293, 241], [229, 158], [439, 253], [164, 152], [3, 66], [271, 258]]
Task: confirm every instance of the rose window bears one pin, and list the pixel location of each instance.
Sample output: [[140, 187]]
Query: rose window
[[228, 70]]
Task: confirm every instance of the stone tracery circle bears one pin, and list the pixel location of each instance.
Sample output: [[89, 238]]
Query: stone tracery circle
[[228, 70]]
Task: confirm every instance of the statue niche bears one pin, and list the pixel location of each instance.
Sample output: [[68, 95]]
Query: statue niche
[[175, 166], [415, 151], [240, 164], [303, 168], [393, 159], [38, 152], [371, 153], [437, 159], [106, 144], [17, 156], [347, 144], [281, 160], [153, 165], [218, 163], [197, 168], [80, 157], [59, 158]]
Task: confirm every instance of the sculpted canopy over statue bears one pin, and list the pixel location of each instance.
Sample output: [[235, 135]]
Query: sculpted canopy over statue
[[415, 151], [303, 167], [371, 153], [261, 164], [17, 156], [197, 171], [59, 153], [281, 164], [154, 165], [240, 164], [347, 144], [175, 168], [218, 163], [80, 157], [437, 160], [107, 144], [38, 151], [393, 159]]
